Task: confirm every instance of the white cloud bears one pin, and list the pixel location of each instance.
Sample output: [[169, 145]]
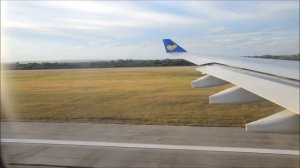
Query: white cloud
[[241, 44], [68, 30], [125, 10], [259, 11], [89, 21], [99, 15], [219, 29]]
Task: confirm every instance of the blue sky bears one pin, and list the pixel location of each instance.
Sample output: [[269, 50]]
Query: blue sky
[[105, 30]]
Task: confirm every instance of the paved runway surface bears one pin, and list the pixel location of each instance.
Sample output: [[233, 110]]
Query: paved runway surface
[[31, 144]]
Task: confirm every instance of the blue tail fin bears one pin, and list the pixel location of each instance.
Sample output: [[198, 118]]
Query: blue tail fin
[[172, 47]]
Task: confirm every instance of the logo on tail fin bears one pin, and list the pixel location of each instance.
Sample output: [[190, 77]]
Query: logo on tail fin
[[172, 47]]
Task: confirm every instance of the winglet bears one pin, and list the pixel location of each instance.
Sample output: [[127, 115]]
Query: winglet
[[172, 47]]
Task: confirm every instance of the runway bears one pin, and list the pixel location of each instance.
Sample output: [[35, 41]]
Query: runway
[[153, 146], [32, 144]]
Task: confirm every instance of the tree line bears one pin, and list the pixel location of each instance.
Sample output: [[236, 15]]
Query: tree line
[[121, 63], [294, 57], [98, 64]]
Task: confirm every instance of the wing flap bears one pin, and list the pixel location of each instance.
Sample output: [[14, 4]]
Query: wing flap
[[207, 81], [282, 122], [234, 95]]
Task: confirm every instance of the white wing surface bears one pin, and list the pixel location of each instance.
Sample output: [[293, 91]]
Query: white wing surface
[[254, 80]]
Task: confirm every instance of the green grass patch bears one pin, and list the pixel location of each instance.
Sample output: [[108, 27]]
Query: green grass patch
[[123, 95]]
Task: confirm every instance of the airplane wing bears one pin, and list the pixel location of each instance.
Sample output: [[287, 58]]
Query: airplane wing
[[254, 80]]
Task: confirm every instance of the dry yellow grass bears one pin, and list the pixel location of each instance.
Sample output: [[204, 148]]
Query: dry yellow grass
[[124, 95]]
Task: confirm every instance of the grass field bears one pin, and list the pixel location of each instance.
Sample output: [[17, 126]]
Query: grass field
[[122, 95]]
